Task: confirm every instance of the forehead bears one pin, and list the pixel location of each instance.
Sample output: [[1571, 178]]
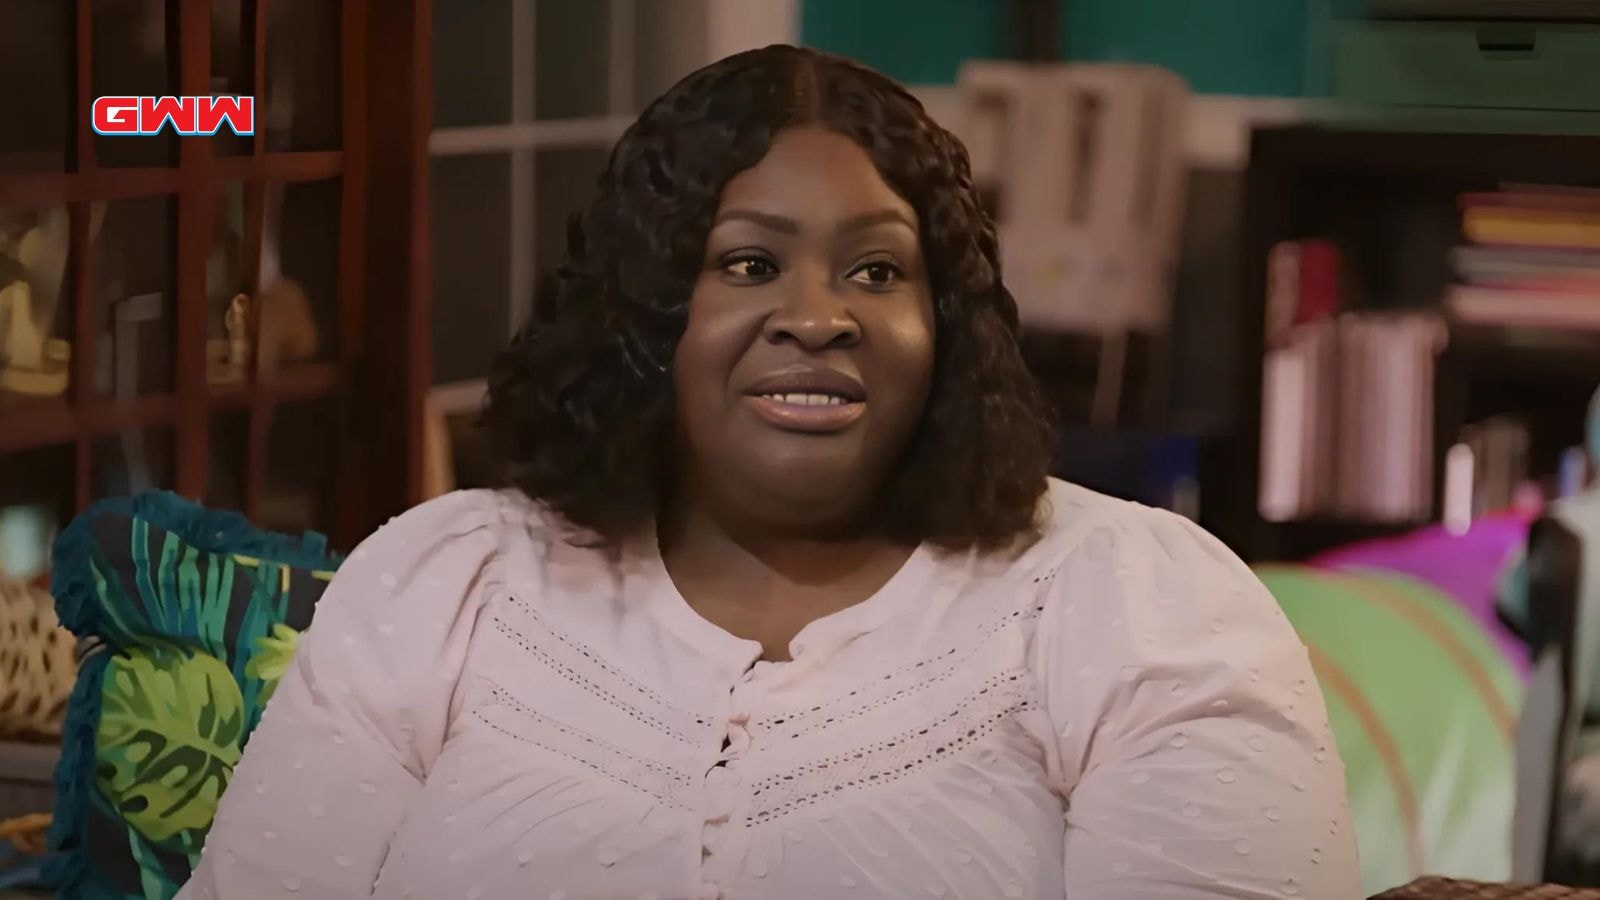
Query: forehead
[[811, 174]]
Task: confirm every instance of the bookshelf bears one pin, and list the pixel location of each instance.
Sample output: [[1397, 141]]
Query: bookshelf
[[1388, 198]]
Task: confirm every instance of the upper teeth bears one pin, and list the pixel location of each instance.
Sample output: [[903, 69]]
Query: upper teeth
[[806, 399]]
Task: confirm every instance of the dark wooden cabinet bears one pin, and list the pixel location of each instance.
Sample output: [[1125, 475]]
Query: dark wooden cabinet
[[301, 405]]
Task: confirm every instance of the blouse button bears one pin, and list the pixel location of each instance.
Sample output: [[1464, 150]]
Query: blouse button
[[847, 881], [963, 857], [608, 856]]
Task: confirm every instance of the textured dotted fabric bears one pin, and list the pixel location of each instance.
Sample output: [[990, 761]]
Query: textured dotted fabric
[[483, 710]]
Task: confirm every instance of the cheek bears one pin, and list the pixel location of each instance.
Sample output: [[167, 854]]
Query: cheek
[[909, 345], [713, 340]]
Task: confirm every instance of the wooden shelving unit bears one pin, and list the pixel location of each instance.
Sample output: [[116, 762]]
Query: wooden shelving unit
[[369, 375]]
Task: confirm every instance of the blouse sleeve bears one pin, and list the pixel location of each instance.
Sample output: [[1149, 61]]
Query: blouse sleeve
[[1190, 735], [358, 719]]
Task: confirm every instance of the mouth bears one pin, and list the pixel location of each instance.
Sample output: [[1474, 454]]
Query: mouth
[[814, 401]]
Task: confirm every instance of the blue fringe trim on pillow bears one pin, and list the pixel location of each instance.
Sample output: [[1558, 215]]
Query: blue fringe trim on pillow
[[209, 530], [72, 584], [67, 838]]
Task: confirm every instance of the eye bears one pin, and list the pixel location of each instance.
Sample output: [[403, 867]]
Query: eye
[[876, 273], [750, 267]]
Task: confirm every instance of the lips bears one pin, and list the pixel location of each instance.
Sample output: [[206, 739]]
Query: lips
[[809, 400], [826, 382]]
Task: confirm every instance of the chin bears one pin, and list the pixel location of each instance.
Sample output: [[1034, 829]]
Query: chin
[[817, 485]]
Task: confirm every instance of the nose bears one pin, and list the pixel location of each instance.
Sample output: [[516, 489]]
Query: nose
[[814, 316]]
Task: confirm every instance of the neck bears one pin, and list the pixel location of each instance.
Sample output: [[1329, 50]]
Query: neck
[[697, 534], [764, 582]]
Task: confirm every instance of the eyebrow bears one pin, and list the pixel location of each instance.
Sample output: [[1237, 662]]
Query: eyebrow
[[786, 225]]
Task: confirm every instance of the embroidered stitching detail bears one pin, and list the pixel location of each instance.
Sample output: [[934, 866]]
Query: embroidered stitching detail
[[882, 762], [804, 721], [578, 647], [656, 723], [613, 762]]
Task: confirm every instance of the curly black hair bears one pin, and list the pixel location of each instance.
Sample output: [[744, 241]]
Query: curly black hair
[[580, 403]]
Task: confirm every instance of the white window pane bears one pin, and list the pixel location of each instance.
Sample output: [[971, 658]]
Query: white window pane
[[472, 63], [669, 43], [471, 214], [571, 65]]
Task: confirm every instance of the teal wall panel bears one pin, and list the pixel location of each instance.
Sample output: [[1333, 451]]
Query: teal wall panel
[[913, 41], [1219, 46], [1252, 47]]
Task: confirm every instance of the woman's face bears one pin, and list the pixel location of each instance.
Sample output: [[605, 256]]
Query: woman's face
[[808, 353]]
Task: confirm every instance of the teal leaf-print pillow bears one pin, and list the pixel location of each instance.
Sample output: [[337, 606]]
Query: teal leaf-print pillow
[[194, 616]]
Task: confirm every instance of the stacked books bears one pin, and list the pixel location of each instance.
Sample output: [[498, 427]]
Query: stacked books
[[1532, 259], [1347, 406]]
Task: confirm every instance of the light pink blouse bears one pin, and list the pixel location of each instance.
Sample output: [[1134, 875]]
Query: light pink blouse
[[482, 710]]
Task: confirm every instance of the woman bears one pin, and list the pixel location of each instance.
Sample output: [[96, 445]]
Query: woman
[[784, 604]]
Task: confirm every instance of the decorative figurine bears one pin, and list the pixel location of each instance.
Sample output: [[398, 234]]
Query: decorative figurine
[[288, 327], [30, 363], [237, 324]]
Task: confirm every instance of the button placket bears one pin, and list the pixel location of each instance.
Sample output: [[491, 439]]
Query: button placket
[[724, 844]]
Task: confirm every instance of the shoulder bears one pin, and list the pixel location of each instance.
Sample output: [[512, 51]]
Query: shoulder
[[1130, 581], [1079, 525], [471, 516], [445, 546]]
